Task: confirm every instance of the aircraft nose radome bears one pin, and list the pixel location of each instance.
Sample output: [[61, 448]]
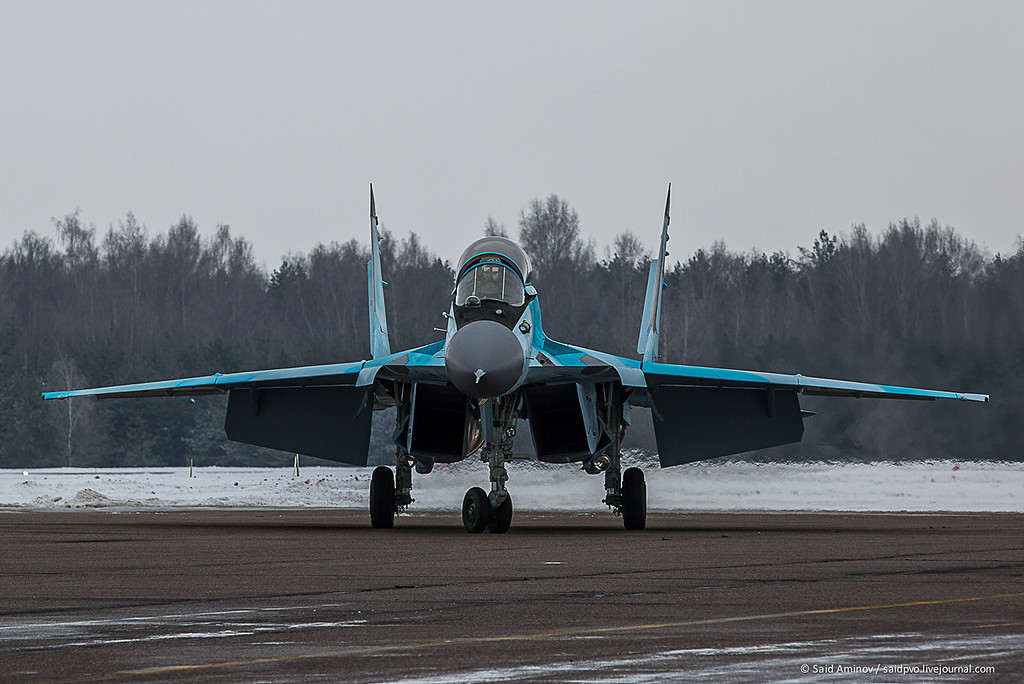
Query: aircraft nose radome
[[484, 359]]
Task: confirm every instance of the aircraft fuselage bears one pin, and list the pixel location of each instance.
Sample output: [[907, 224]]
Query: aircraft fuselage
[[491, 324]]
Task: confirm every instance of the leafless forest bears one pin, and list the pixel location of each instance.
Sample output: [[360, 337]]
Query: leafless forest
[[918, 305]]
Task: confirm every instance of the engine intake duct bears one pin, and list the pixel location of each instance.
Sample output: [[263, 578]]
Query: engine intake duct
[[556, 423], [441, 427]]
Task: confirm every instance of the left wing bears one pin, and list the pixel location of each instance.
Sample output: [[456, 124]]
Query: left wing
[[700, 376], [703, 412]]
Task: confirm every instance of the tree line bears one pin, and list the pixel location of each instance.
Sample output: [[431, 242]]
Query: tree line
[[917, 305]]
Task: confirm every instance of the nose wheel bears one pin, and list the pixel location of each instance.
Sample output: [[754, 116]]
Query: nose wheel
[[476, 510], [478, 514]]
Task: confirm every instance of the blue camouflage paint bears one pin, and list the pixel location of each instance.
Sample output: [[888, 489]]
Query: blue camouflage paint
[[675, 374], [334, 373]]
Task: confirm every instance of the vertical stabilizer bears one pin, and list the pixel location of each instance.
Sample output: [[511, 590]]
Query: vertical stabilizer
[[380, 345], [650, 324]]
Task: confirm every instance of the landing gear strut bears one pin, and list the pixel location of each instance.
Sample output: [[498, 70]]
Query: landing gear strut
[[625, 492], [390, 493], [628, 497], [492, 511]]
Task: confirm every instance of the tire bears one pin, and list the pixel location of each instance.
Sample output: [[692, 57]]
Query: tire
[[501, 517], [382, 498], [476, 510], [634, 499]]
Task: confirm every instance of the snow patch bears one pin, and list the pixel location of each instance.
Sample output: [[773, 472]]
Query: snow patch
[[963, 486]]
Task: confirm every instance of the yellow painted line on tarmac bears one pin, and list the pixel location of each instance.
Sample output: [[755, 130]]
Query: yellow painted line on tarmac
[[175, 669]]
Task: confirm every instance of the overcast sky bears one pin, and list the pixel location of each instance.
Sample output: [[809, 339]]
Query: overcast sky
[[772, 120]]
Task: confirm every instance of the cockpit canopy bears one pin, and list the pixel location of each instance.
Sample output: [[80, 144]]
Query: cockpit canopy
[[493, 268]]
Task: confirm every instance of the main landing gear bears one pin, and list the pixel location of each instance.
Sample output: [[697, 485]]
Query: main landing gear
[[628, 497], [390, 493], [626, 492], [382, 498]]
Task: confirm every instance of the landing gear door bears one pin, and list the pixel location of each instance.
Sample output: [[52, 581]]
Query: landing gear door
[[588, 407]]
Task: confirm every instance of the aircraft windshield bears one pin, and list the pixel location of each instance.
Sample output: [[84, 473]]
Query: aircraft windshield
[[495, 248], [491, 280]]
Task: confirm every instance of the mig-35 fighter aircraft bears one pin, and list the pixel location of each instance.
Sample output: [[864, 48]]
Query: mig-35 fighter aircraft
[[464, 395]]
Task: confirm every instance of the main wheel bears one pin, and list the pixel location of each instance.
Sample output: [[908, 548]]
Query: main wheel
[[634, 499], [501, 517], [382, 498], [476, 510]]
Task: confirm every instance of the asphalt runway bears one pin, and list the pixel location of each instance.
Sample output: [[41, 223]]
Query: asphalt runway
[[302, 595]]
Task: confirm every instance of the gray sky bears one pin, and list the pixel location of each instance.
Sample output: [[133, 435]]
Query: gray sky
[[772, 120]]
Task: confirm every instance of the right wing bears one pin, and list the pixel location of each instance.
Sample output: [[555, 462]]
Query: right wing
[[322, 411], [314, 410], [333, 374]]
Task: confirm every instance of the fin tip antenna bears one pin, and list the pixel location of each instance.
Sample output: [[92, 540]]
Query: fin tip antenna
[[373, 205]]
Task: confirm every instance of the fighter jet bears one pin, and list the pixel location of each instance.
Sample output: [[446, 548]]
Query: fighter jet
[[464, 395]]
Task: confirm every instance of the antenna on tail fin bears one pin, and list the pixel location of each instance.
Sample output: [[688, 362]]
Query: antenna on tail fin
[[380, 345], [650, 325]]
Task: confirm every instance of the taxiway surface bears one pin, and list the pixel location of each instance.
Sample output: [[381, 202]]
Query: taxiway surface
[[278, 596]]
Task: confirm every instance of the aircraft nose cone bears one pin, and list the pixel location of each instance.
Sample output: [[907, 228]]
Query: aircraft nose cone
[[484, 359]]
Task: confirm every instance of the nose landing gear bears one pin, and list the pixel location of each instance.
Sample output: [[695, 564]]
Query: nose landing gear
[[478, 514], [491, 511], [476, 510]]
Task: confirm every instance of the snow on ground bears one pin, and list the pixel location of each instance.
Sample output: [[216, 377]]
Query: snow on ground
[[708, 486]]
